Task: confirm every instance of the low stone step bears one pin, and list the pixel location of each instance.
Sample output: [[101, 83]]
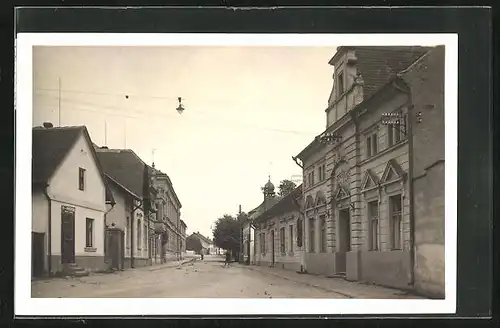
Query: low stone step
[[342, 275], [80, 273]]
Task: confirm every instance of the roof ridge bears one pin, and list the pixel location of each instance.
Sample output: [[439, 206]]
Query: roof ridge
[[406, 70], [54, 128]]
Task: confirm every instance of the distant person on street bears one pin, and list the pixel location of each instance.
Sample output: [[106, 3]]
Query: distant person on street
[[201, 255], [228, 259]]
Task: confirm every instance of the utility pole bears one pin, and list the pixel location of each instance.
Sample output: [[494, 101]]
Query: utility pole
[[240, 255], [105, 134], [249, 240], [125, 133], [59, 100]]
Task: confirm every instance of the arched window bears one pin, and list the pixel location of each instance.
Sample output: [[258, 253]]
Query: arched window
[[299, 232], [139, 235]]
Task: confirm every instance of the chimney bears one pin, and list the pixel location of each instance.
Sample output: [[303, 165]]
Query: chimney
[[47, 125]]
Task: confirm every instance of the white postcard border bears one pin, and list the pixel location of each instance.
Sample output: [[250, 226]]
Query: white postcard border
[[27, 306]]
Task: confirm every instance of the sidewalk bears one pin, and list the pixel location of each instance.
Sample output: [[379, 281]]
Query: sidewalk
[[340, 286], [170, 264], [130, 272]]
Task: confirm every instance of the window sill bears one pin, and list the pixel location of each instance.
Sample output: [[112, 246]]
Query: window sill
[[90, 249]]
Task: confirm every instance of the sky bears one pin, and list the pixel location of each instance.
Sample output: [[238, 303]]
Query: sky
[[248, 110]]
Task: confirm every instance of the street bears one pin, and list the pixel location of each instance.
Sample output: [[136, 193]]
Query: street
[[206, 278]]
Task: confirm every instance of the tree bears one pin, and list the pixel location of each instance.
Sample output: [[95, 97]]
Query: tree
[[193, 244], [286, 187], [227, 233]]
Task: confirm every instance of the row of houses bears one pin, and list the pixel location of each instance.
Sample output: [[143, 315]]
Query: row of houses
[[207, 245], [95, 208], [371, 207]]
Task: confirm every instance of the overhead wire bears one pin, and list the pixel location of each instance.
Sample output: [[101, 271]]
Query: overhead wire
[[120, 112]]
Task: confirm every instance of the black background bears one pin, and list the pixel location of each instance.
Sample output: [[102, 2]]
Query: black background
[[475, 156]]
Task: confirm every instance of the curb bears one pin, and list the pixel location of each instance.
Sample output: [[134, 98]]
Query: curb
[[302, 282], [167, 266]]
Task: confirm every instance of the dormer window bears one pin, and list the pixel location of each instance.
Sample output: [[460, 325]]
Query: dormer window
[[340, 83]]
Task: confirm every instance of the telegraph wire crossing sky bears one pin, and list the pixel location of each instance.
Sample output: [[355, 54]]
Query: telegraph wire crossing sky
[[245, 107], [78, 105]]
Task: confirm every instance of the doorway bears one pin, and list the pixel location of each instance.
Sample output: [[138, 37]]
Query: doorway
[[116, 250], [37, 254], [272, 247], [344, 231], [344, 236], [67, 235]]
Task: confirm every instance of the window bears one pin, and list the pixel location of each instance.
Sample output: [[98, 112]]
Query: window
[[282, 240], [89, 235], [373, 220], [311, 235], [395, 219], [340, 83], [139, 235], [322, 222], [81, 179], [321, 172], [145, 236], [291, 239], [127, 233], [299, 232], [396, 133], [263, 243], [312, 177], [371, 145], [390, 135], [404, 127]]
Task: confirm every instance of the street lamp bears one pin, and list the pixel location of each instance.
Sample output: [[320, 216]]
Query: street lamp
[[180, 108]]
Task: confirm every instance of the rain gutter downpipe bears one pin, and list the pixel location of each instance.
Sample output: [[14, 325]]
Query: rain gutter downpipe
[[132, 224], [409, 134], [49, 230]]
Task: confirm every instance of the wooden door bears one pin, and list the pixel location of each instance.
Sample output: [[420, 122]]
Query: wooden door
[[67, 234]]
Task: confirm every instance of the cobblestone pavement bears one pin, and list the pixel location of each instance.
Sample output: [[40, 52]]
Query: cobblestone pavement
[[198, 279]]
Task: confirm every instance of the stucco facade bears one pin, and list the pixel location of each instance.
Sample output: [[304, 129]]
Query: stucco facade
[[426, 79], [169, 235], [356, 184], [64, 191], [270, 251], [279, 230]]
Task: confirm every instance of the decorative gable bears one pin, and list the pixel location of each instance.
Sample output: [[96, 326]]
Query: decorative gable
[[320, 199], [392, 172], [341, 192], [309, 202], [370, 180]]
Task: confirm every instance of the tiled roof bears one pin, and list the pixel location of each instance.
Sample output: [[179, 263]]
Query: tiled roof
[[50, 146], [263, 207], [201, 237], [122, 187], [379, 65], [124, 166]]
